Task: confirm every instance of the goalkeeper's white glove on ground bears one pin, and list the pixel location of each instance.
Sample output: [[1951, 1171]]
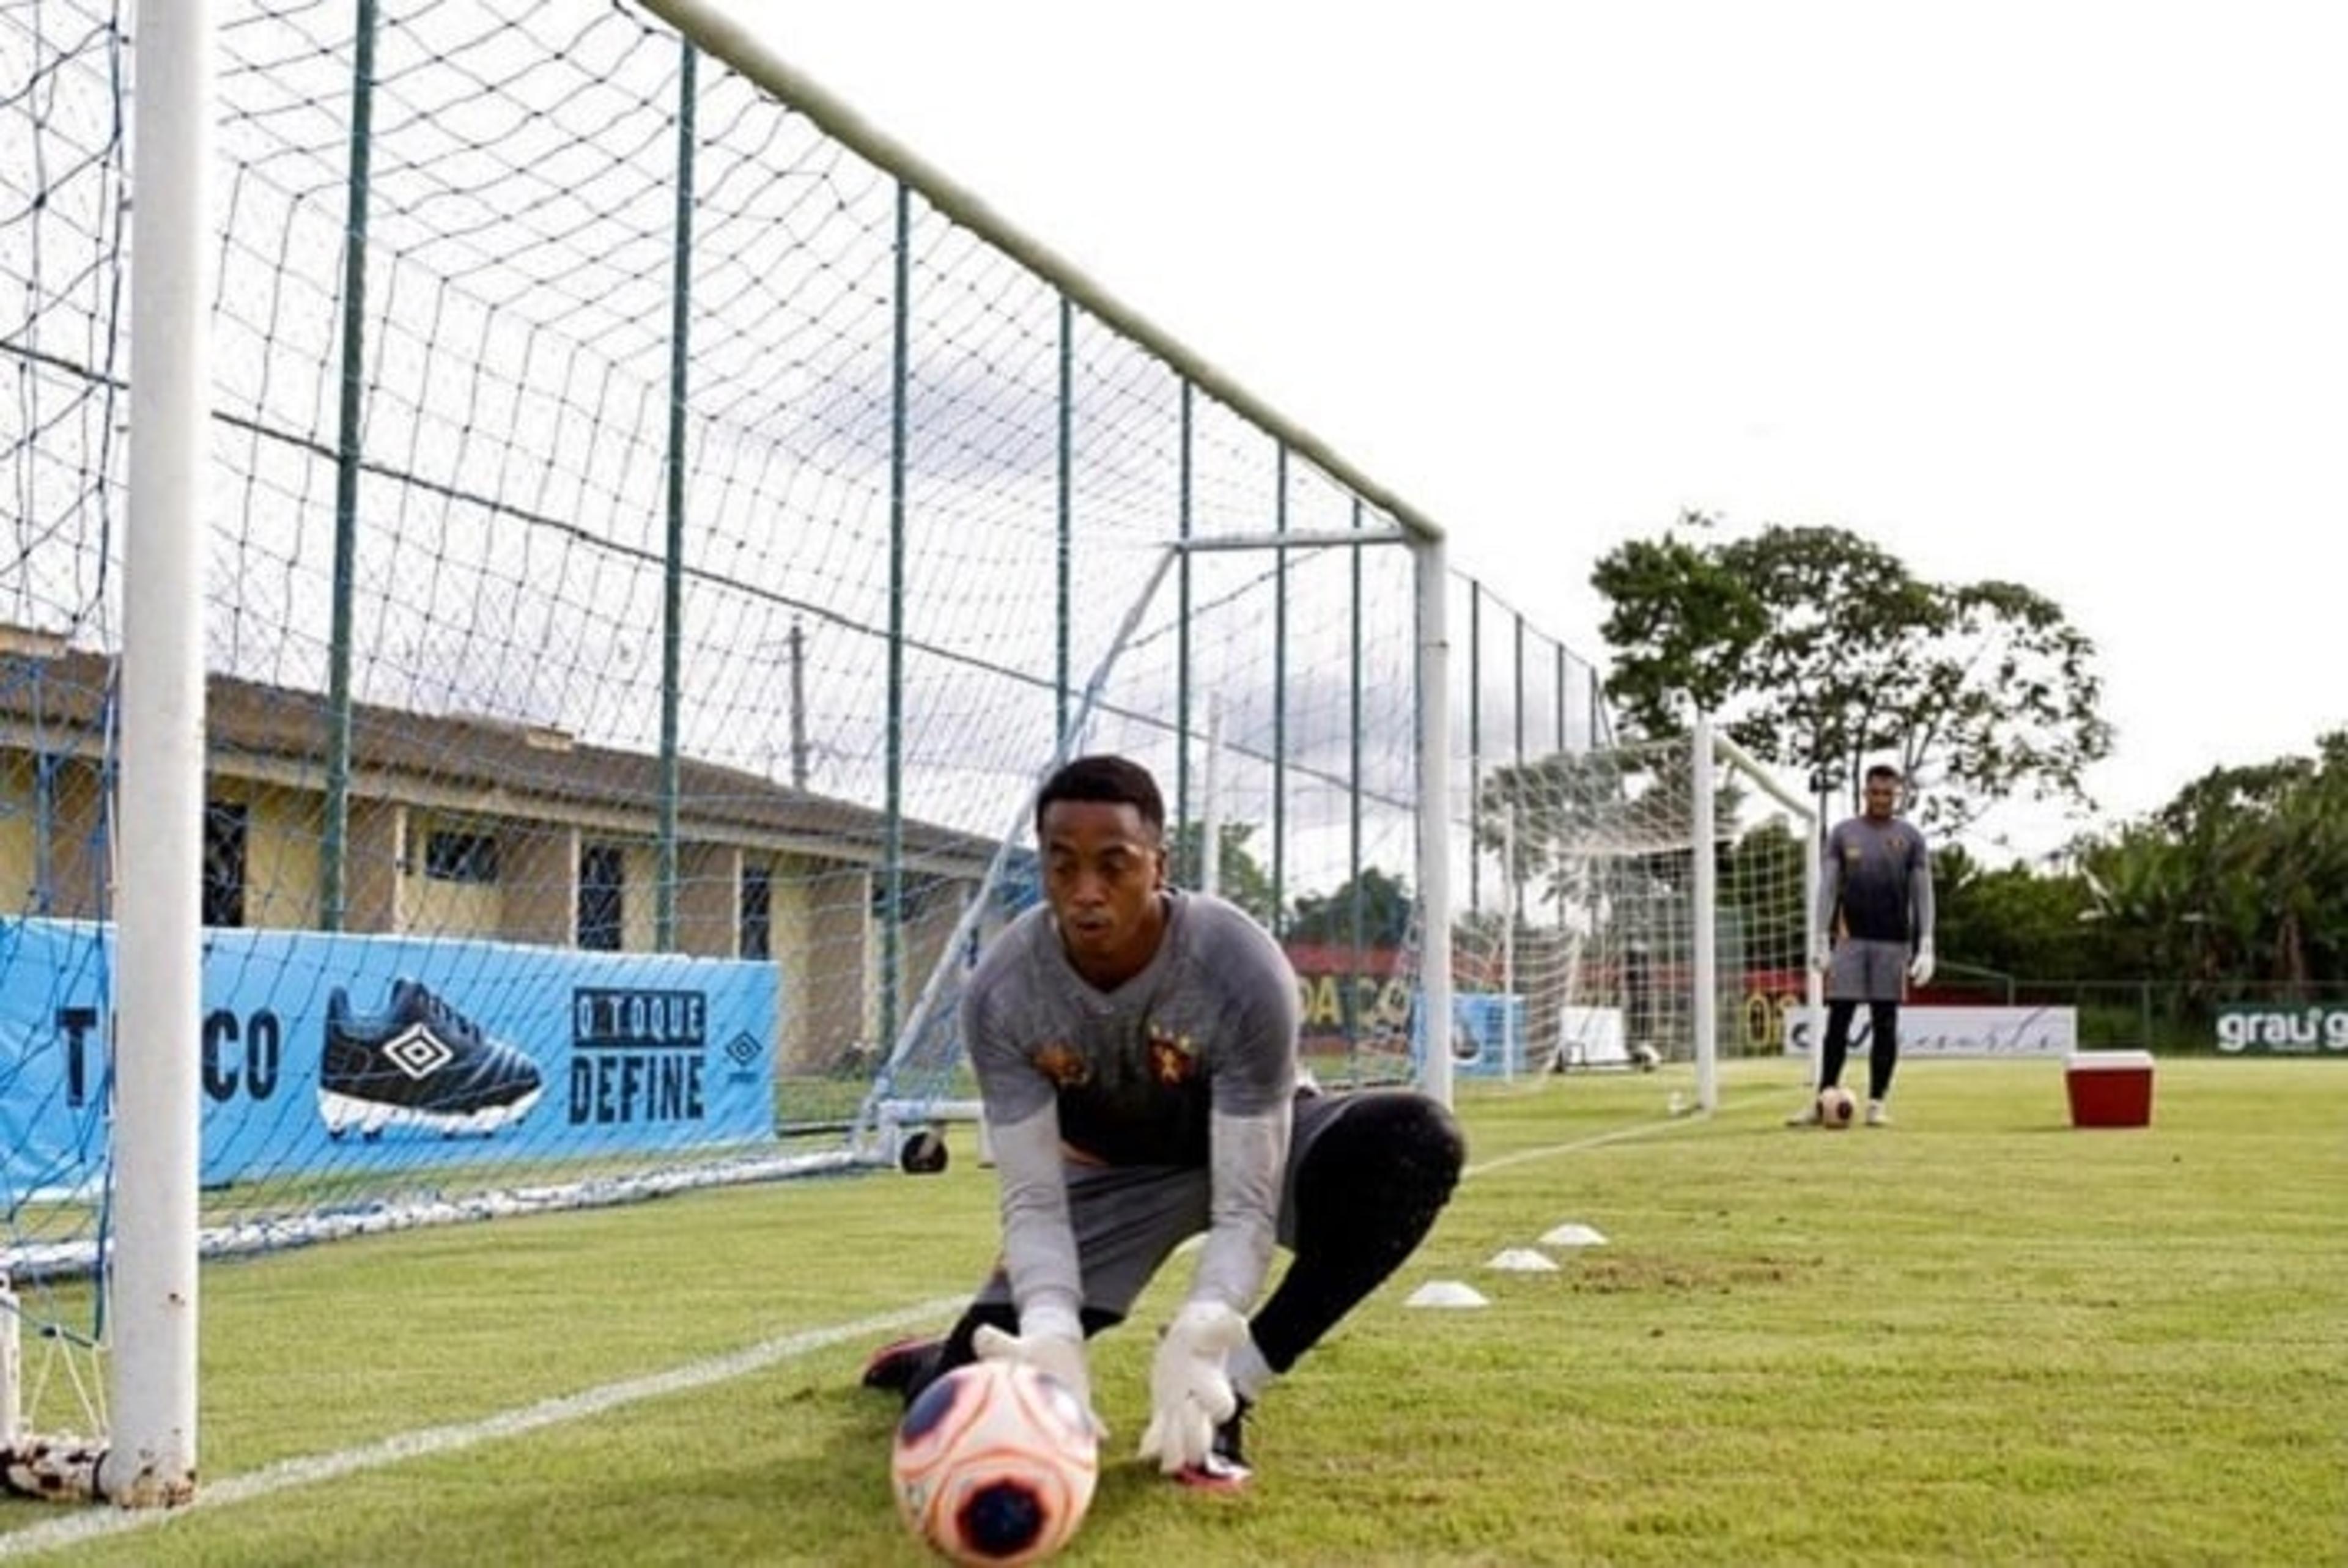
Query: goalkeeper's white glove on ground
[[1920, 969], [1189, 1393], [1056, 1356]]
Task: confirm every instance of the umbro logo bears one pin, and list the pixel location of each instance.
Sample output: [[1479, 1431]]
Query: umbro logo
[[418, 1053]]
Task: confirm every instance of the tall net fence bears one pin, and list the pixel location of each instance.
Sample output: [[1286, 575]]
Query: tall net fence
[[653, 548]]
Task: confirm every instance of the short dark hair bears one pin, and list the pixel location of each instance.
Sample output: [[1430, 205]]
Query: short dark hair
[[1117, 781], [1883, 771]]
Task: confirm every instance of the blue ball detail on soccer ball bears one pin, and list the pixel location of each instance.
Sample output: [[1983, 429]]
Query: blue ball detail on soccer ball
[[1004, 1519], [995, 1463]]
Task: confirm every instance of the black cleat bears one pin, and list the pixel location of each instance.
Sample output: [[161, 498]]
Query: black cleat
[[901, 1365], [1225, 1468], [421, 1064]]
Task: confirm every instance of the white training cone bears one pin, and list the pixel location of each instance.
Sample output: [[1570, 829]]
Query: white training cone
[[1445, 1293], [1522, 1260], [1572, 1235]]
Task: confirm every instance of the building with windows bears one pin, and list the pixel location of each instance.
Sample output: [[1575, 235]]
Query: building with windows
[[479, 828]]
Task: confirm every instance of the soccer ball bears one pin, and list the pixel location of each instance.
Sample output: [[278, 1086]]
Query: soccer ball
[[994, 1463], [1836, 1108]]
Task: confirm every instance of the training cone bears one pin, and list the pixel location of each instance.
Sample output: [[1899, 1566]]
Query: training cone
[[1446, 1293], [1521, 1260], [1572, 1235]]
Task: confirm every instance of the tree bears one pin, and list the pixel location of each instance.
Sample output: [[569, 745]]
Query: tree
[[2243, 876], [1819, 650], [1543, 815], [1584, 829], [1608, 833], [1381, 904], [1240, 877], [2015, 920]]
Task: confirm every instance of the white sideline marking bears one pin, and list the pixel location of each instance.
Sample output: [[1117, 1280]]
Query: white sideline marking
[[99, 1521], [1596, 1140]]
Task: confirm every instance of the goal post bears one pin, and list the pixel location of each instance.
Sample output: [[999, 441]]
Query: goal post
[[151, 1460], [1718, 756]]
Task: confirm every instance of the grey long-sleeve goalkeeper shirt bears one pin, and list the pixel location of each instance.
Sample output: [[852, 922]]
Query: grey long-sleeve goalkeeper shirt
[[1191, 1064]]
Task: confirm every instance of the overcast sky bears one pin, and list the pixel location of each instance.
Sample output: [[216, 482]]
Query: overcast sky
[[2050, 292]]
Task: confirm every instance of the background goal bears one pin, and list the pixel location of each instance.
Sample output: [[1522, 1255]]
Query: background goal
[[1638, 904]]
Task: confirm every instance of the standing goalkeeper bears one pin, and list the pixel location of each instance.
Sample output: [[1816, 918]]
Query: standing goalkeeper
[[1136, 1051], [1875, 888]]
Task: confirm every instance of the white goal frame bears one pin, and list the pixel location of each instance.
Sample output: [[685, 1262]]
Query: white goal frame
[[1712, 750], [1644, 946], [146, 1455], [150, 1457]]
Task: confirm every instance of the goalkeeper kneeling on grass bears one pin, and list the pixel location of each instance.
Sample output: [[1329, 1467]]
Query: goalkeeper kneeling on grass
[[1136, 1048]]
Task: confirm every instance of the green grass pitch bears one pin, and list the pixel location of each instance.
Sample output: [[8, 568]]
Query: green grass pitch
[[1978, 1337]]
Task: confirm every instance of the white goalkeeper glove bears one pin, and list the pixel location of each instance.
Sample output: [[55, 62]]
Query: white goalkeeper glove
[[1920, 969], [1822, 955], [1189, 1393], [1056, 1356]]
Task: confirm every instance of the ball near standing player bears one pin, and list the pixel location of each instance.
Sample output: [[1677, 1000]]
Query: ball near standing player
[[1875, 909]]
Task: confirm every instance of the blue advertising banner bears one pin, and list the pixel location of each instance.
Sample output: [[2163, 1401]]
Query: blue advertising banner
[[1488, 1033], [327, 1051]]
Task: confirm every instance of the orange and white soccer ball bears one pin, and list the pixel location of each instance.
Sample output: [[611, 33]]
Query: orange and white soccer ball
[[1836, 1108], [995, 1463]]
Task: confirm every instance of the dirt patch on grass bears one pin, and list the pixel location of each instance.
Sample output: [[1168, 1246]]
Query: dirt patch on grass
[[1618, 1273]]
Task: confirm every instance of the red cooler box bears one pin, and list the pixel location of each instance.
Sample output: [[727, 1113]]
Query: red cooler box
[[2109, 1088]]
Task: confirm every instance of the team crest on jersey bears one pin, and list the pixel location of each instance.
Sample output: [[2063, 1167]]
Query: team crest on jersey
[[1062, 1063], [1173, 1060]]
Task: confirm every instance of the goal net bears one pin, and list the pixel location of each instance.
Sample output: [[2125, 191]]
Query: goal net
[[1292, 792], [1601, 938], [651, 537]]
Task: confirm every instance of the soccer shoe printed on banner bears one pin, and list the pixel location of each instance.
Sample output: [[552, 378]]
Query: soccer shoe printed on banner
[[421, 1064]]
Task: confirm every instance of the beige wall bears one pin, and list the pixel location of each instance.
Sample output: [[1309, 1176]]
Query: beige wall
[[538, 883], [791, 927], [281, 853], [710, 900], [825, 946], [19, 839], [77, 867], [926, 936], [375, 844], [833, 966], [639, 896]]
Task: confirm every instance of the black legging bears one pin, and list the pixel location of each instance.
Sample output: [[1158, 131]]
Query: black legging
[[1368, 1191], [1882, 1045], [1366, 1194]]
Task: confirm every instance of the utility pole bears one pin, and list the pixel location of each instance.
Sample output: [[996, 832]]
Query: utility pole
[[799, 706]]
